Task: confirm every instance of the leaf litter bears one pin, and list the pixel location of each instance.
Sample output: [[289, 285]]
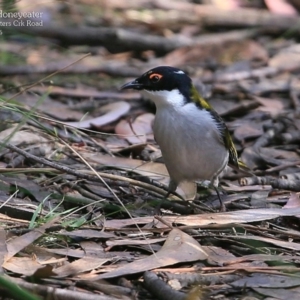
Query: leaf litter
[[64, 228]]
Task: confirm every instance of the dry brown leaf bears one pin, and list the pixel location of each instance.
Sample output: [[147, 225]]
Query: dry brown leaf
[[240, 53], [137, 131], [226, 5], [124, 130], [267, 280], [277, 293], [25, 136], [234, 217], [17, 244], [268, 85], [218, 255], [28, 266], [281, 7], [3, 249], [278, 243], [272, 106], [279, 153], [293, 201], [248, 130], [127, 242], [111, 112], [288, 58], [78, 253], [155, 171], [235, 52], [95, 254], [30, 186], [178, 248], [262, 257], [79, 266], [88, 233], [49, 106]]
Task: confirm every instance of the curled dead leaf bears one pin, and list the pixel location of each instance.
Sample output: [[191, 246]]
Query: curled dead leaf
[[111, 112], [137, 131]]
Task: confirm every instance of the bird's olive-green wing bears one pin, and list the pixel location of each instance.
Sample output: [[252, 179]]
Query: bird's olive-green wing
[[201, 103]]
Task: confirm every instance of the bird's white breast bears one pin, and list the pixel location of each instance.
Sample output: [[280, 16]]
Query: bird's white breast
[[189, 139]]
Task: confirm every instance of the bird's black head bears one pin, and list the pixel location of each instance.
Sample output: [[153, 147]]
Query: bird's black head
[[162, 78]]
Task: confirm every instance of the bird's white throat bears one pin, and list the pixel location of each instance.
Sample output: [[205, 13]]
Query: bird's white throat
[[165, 98]]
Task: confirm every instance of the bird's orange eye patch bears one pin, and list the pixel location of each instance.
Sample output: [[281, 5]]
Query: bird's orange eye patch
[[155, 77]]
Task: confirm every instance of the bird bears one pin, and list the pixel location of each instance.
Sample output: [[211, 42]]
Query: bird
[[194, 140]]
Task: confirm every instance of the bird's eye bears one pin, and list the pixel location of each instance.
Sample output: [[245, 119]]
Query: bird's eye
[[155, 77]]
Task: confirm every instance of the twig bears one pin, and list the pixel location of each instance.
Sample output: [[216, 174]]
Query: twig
[[80, 174], [119, 39], [255, 73], [209, 15], [276, 183], [111, 68], [160, 289], [283, 166], [58, 293]]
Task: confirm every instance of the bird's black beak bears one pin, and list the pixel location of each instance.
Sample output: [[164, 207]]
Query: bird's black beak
[[132, 85]]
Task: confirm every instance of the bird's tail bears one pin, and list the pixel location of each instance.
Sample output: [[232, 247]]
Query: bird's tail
[[242, 168]]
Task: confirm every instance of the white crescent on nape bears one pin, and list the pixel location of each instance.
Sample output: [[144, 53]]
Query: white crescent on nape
[[179, 72]]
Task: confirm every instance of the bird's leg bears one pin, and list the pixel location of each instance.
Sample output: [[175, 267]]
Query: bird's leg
[[215, 184], [172, 188], [222, 205]]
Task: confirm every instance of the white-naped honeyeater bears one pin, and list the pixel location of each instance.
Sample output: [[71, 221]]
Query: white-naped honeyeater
[[195, 142]]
